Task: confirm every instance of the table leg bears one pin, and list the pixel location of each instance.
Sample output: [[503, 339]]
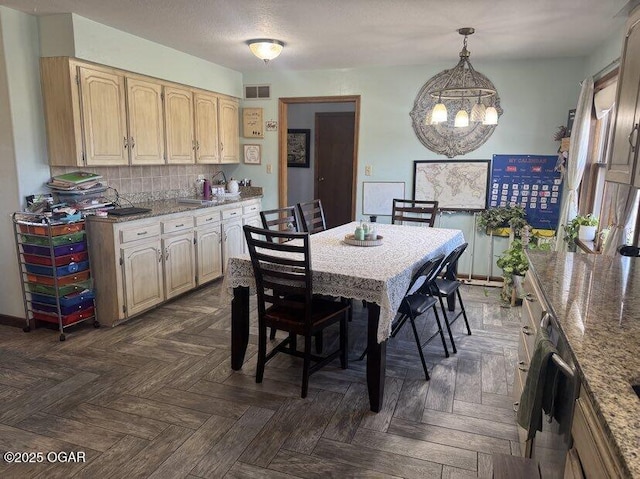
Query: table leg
[[376, 359], [239, 326]]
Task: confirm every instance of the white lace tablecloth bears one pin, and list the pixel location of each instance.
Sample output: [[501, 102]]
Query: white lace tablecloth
[[376, 274]]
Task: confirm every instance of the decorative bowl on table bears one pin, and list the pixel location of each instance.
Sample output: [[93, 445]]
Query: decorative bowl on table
[[350, 239]]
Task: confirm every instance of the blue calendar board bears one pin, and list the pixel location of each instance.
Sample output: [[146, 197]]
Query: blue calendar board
[[528, 181]]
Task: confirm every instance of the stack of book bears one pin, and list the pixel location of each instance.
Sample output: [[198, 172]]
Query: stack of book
[[80, 190], [77, 180]]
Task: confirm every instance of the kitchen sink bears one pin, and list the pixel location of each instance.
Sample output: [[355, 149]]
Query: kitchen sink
[[196, 201]]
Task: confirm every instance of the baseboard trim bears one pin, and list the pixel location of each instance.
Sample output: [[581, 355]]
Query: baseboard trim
[[14, 321]]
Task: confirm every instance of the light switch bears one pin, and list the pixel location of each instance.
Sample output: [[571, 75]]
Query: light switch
[[367, 170], [269, 168]]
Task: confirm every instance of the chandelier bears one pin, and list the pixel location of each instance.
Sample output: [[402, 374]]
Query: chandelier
[[468, 89], [456, 110]]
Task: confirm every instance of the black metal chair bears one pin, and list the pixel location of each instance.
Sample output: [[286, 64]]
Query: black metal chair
[[280, 219], [447, 286], [312, 216], [286, 302], [414, 211], [417, 301]]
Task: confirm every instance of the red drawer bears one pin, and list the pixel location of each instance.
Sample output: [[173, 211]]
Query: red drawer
[[67, 319], [59, 260]]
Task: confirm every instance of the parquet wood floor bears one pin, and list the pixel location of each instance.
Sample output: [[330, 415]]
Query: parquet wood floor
[[156, 397]]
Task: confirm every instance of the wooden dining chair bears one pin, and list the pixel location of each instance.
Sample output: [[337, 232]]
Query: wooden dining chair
[[284, 287], [312, 216], [448, 285], [280, 219], [414, 211]]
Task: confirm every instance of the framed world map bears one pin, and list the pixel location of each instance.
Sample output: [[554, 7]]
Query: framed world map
[[456, 185]]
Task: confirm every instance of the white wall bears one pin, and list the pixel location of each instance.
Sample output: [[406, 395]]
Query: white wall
[[23, 164]]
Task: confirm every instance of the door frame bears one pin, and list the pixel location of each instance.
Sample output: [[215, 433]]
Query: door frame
[[283, 105]]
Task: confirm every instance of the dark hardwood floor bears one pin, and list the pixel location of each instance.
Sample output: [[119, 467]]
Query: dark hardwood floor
[[156, 397]]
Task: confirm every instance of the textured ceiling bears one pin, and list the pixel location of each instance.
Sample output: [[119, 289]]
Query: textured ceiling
[[322, 34]]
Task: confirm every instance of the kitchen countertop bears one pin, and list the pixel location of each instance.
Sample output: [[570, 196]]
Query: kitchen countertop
[[170, 206], [597, 305]]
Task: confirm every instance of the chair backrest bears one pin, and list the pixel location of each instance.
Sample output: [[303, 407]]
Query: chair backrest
[[282, 270], [280, 219], [414, 211], [312, 216], [425, 274], [449, 264]]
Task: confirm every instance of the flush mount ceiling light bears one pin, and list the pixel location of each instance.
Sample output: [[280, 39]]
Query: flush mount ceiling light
[[457, 110], [265, 48]]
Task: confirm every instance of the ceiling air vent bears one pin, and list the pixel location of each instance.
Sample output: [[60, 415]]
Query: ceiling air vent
[[257, 92]]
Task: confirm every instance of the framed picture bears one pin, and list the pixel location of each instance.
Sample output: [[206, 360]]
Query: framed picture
[[298, 148], [457, 185], [252, 154]]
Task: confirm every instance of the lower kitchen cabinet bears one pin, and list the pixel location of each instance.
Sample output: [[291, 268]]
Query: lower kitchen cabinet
[[142, 278], [139, 264]]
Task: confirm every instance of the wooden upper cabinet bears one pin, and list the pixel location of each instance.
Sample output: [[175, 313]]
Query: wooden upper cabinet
[[206, 128], [104, 121], [178, 109], [146, 122], [229, 130], [626, 134]]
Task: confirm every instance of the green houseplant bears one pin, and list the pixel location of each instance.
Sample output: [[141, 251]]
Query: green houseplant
[[572, 229], [502, 217], [513, 262]]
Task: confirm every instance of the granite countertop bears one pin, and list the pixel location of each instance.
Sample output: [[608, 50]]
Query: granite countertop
[[174, 205], [595, 301]]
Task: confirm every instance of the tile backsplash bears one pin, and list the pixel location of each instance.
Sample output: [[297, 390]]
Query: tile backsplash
[[142, 183]]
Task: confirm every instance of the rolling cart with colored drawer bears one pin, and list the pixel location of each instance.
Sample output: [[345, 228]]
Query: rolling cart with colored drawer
[[55, 271]]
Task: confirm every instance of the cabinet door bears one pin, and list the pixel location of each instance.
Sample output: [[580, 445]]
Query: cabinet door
[[179, 125], [179, 264], [206, 128], [103, 117], [229, 139], [143, 282], [209, 254], [146, 125], [251, 221], [621, 162], [232, 240]]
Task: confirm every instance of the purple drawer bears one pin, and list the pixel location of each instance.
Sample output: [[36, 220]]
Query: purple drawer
[[61, 250]]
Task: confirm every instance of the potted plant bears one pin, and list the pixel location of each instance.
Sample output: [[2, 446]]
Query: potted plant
[[492, 219], [514, 265], [588, 227], [572, 230]]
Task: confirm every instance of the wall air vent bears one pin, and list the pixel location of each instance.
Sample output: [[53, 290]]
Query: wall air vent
[[257, 92]]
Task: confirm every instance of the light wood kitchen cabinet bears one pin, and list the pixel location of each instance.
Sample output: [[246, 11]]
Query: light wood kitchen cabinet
[[207, 142], [622, 166], [142, 277], [251, 217], [208, 239], [178, 105], [590, 443], [146, 122], [232, 234], [104, 121], [139, 264], [229, 130]]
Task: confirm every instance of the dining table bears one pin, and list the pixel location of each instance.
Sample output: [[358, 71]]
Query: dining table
[[378, 275]]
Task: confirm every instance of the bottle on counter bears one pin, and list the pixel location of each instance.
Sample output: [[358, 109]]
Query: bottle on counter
[[206, 190]]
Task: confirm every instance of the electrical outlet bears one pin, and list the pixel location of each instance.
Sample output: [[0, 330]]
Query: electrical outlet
[[367, 170], [269, 168]]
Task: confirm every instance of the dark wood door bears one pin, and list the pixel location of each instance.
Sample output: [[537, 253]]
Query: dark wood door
[[334, 159]]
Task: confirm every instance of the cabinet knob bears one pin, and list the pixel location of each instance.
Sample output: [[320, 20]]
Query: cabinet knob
[[529, 297], [516, 405], [526, 330], [522, 366], [132, 142], [159, 256], [166, 254], [126, 143]]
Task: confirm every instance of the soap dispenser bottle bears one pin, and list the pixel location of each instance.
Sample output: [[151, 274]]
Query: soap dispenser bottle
[[206, 190]]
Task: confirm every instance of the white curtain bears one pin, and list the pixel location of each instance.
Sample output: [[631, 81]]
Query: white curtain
[[578, 150], [624, 199]]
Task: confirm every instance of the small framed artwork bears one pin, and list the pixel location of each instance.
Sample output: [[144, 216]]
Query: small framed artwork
[[252, 154], [252, 123], [298, 148]]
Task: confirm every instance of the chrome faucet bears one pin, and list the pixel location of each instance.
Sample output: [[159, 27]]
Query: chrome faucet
[[223, 176]]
